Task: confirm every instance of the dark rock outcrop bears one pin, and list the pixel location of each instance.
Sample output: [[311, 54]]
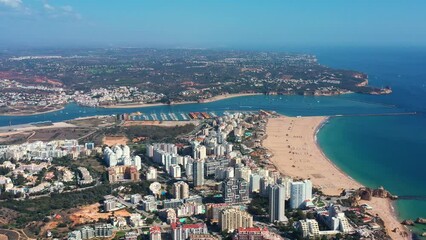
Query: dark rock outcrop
[[365, 193], [408, 222], [421, 220]]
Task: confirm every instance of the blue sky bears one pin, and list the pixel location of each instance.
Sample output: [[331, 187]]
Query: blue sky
[[212, 23]]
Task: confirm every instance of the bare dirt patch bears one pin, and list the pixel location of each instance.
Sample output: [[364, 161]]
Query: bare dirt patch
[[90, 213], [114, 140]]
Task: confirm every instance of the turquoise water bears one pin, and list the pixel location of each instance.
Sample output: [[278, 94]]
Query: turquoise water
[[381, 151], [290, 105], [384, 151]]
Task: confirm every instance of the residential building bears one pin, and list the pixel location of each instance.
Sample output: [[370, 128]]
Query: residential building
[[300, 192], [277, 203], [198, 173], [309, 228], [255, 233], [110, 205], [149, 204], [123, 173], [232, 218], [202, 237], [103, 230], [235, 190], [151, 174], [182, 231], [135, 198], [180, 190], [175, 171]]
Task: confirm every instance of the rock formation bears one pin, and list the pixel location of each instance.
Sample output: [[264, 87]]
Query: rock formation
[[408, 222], [421, 220]]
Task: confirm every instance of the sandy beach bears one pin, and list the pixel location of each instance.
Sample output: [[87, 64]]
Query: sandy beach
[[228, 96], [292, 142]]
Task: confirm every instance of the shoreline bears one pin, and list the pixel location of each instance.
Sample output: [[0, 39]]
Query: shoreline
[[30, 114], [305, 159], [208, 100], [385, 201], [317, 130]]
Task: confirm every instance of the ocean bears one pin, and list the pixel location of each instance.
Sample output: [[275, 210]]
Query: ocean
[[388, 150], [375, 150]]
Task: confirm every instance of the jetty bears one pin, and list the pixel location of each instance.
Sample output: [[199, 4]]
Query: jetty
[[374, 114]]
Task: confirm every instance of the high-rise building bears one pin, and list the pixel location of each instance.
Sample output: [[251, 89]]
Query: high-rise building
[[300, 192], [264, 183], [255, 183], [235, 190], [87, 232], [213, 211], [103, 230], [149, 204], [233, 218], [180, 190], [121, 156], [243, 172], [229, 172], [175, 171], [109, 205], [199, 152], [286, 181], [277, 203], [198, 173]]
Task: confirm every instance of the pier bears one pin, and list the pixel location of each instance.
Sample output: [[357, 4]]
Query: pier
[[375, 114]]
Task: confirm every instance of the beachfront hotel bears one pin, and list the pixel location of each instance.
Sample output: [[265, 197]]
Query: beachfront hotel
[[300, 192]]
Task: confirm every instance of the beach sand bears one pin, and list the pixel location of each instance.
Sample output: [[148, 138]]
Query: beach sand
[[228, 96], [292, 142]]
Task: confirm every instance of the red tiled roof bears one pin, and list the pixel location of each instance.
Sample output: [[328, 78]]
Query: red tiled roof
[[155, 229], [195, 225]]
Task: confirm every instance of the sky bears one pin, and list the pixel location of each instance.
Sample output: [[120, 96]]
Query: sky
[[212, 23]]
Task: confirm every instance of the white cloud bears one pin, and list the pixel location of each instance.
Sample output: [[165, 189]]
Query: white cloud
[[48, 7], [12, 3]]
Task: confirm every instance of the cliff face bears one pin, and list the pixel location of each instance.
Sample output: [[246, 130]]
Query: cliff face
[[363, 83], [368, 193], [381, 193]]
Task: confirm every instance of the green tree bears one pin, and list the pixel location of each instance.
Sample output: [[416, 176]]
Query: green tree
[[20, 180]]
